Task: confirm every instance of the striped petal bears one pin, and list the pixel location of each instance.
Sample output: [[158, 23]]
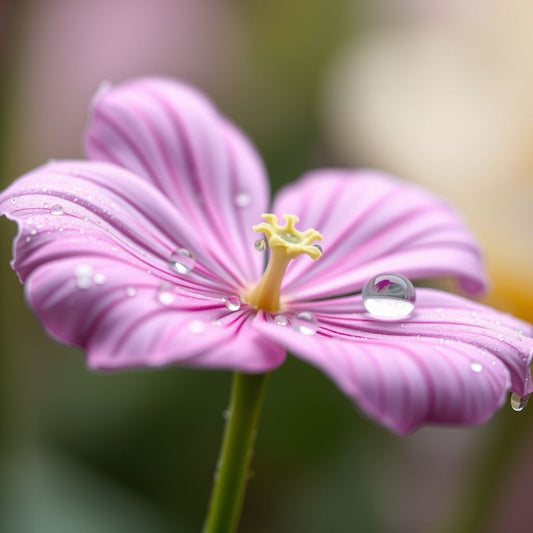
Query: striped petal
[[123, 319], [453, 361], [78, 208], [93, 249], [172, 136], [372, 223]]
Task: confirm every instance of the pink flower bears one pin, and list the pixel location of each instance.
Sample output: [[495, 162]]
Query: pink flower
[[144, 256]]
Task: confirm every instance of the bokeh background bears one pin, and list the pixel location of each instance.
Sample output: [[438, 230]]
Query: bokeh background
[[435, 91]]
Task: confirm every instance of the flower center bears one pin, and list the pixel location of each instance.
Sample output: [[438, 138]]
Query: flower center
[[285, 243]]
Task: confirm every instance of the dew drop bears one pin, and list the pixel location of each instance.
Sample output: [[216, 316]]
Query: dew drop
[[56, 210], [196, 326], [476, 367], [233, 303], [84, 271], [131, 291], [182, 260], [281, 320], [165, 294], [519, 402], [260, 245], [389, 296], [243, 199], [305, 323], [13, 200], [84, 275], [99, 278]]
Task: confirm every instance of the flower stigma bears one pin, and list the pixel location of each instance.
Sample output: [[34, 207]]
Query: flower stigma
[[286, 243]]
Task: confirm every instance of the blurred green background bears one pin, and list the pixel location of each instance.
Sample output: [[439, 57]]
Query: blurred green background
[[435, 91]]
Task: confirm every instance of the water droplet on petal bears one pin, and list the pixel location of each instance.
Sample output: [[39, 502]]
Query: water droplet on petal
[[233, 303], [99, 278], [182, 260], [319, 248], [281, 320], [260, 245], [389, 296], [56, 210], [519, 402], [196, 326], [243, 199], [84, 271], [305, 323], [13, 200], [83, 275], [131, 291], [165, 293], [476, 367]]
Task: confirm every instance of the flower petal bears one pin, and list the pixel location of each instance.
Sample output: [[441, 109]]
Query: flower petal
[[448, 364], [82, 208], [372, 223], [171, 135], [124, 319]]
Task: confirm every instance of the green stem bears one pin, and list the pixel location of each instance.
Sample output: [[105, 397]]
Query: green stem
[[236, 453]]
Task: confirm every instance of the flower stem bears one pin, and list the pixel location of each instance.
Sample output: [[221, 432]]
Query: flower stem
[[236, 453]]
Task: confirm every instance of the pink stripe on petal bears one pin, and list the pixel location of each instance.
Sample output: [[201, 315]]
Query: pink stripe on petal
[[403, 383], [172, 135], [372, 223]]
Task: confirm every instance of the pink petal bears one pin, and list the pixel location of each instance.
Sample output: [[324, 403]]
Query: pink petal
[[171, 135], [123, 319], [372, 223], [96, 209], [448, 364]]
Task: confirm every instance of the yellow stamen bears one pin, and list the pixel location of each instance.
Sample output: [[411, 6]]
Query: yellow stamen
[[285, 243]]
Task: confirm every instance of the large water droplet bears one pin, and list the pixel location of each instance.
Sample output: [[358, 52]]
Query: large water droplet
[[260, 245], [233, 303], [519, 402], [281, 320], [243, 199], [305, 323], [56, 210], [165, 293], [389, 296], [182, 260], [131, 291]]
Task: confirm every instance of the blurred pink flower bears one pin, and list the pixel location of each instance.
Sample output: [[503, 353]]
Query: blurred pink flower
[[144, 254]]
